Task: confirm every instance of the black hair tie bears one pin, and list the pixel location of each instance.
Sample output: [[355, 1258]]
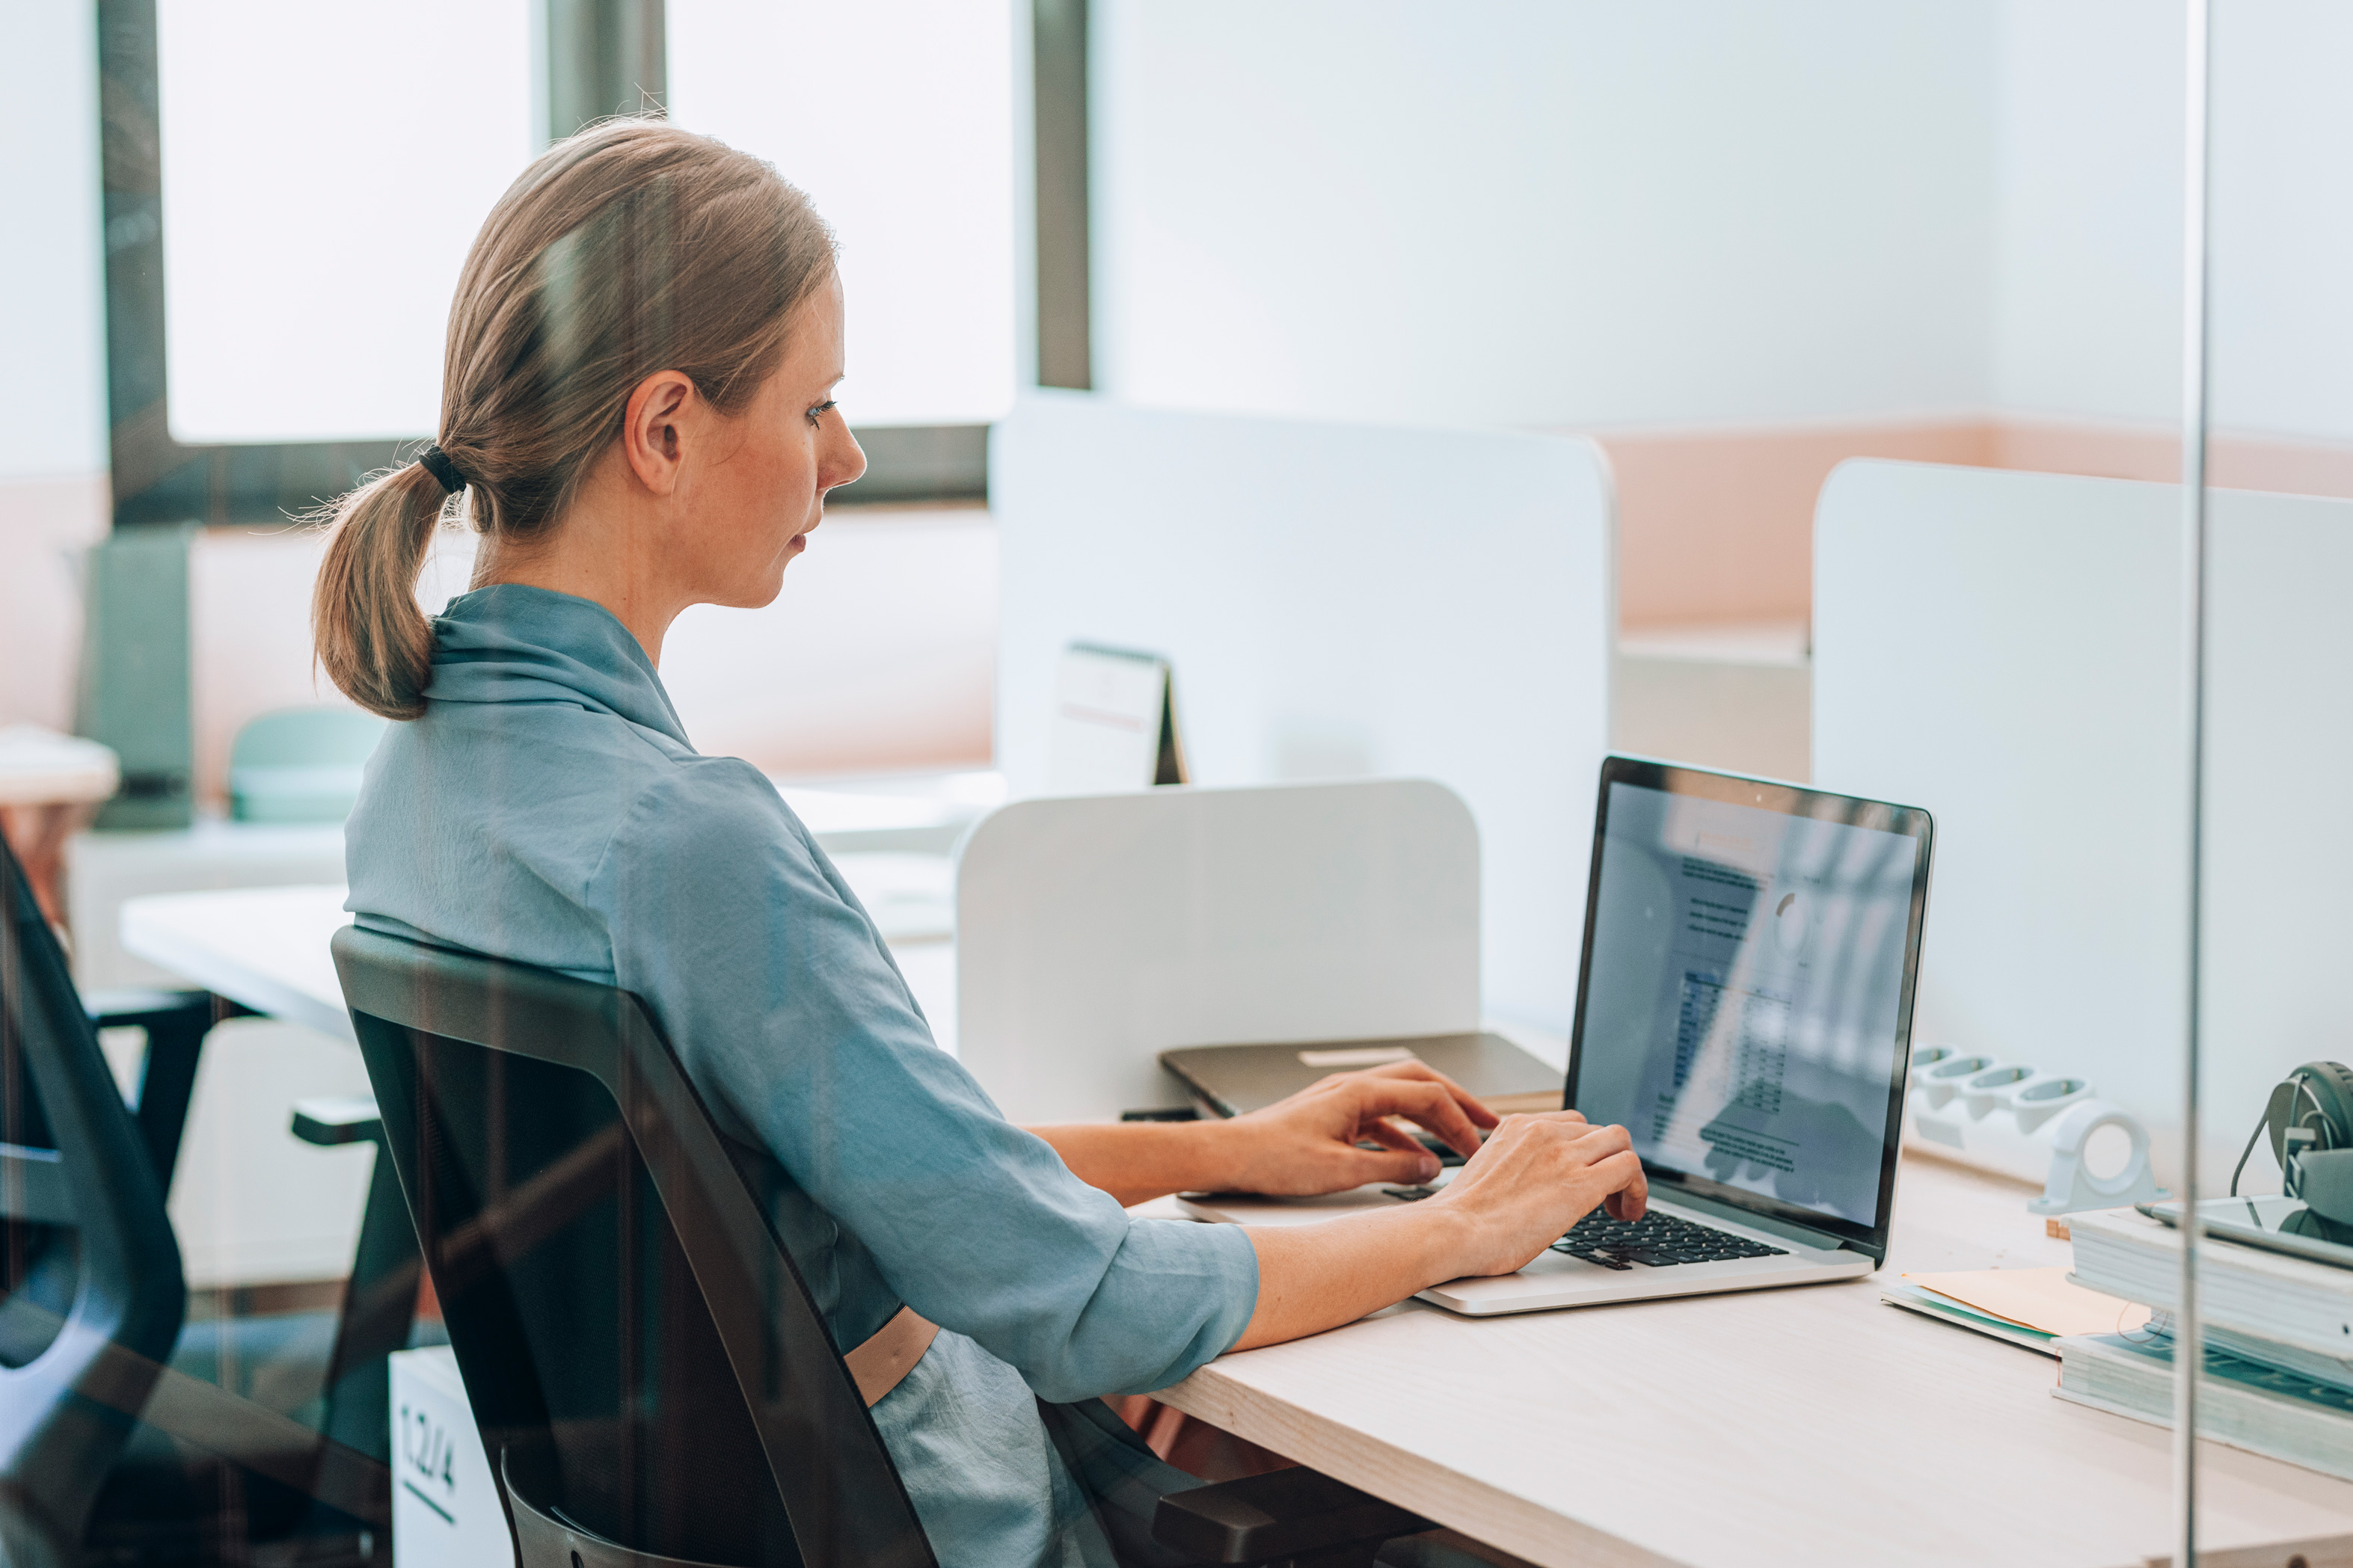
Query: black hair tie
[[436, 463]]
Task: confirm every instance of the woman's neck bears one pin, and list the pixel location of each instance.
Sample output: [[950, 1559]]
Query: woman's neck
[[591, 554]]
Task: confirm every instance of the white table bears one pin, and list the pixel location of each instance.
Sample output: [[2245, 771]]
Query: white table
[[264, 948], [1803, 1426], [258, 1210], [41, 767], [47, 783], [267, 947]]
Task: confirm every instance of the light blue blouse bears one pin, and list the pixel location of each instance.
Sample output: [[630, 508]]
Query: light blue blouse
[[548, 808]]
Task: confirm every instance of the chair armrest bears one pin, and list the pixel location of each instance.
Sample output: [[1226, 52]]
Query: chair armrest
[[33, 1187], [328, 1123], [114, 1009], [1281, 1514]]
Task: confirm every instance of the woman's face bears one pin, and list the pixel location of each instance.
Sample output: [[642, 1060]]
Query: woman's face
[[749, 510]]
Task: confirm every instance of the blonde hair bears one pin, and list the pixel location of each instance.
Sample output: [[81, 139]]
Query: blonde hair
[[631, 248]]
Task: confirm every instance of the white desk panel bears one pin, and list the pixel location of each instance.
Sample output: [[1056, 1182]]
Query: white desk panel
[[1095, 932], [2004, 649], [2279, 859], [2009, 650], [1338, 601]]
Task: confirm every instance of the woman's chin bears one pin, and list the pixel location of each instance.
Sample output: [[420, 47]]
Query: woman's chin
[[755, 592]]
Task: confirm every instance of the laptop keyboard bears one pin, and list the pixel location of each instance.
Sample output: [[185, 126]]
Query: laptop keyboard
[[1659, 1240]]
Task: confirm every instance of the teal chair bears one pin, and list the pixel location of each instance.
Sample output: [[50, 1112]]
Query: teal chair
[[301, 765]]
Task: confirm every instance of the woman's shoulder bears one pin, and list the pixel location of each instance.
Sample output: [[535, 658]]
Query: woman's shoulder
[[705, 807], [553, 792]]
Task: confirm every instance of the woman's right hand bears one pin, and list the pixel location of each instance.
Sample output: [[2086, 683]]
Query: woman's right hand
[[1536, 1176]]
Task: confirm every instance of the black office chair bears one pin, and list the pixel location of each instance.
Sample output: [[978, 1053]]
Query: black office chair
[[652, 1382], [175, 1024], [379, 1307], [108, 1451]]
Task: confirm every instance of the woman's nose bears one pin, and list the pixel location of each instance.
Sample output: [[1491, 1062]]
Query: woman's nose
[[845, 460]]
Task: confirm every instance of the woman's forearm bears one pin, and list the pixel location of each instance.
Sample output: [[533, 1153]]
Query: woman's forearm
[[1316, 1277], [1534, 1179], [1138, 1161]]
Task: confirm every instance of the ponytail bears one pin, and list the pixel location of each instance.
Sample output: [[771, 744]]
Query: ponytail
[[370, 634], [631, 248]]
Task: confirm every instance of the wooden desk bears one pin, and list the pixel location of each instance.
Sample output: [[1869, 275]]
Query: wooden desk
[[1812, 1425]]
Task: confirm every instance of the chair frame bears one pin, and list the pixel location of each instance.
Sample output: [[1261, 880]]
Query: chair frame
[[842, 1494], [840, 1491], [67, 1414]]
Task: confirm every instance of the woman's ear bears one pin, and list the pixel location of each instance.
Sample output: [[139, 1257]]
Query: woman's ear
[[655, 427]]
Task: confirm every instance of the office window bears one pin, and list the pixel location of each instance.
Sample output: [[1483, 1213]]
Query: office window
[[896, 117], [325, 167]]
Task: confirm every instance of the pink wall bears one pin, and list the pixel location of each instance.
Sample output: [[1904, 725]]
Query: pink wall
[[1716, 524], [45, 526], [877, 656]]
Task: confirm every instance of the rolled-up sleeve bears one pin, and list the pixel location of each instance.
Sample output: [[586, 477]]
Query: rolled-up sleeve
[[785, 1006]]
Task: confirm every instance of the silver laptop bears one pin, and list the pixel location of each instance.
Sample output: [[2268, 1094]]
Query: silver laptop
[[1744, 1008]]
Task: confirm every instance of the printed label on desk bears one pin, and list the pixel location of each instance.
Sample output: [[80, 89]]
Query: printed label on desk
[[445, 1506]]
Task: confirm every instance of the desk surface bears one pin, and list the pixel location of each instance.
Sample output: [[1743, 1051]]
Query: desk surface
[[41, 767], [264, 948], [1811, 1425], [267, 947]]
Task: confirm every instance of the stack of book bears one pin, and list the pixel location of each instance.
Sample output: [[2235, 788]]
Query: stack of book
[[2278, 1332]]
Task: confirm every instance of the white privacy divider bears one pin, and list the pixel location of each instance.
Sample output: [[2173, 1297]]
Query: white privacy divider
[[1095, 931], [2007, 650], [1334, 601], [2279, 765]]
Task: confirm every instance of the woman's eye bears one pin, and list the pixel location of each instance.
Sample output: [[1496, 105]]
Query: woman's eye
[[821, 410]]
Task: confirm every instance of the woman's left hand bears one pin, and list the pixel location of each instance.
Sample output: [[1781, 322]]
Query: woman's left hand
[[1307, 1144]]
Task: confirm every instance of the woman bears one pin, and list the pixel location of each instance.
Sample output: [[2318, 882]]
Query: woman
[[637, 410]]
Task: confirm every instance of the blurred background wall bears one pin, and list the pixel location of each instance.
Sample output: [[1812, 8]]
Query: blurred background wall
[[1737, 243], [53, 491]]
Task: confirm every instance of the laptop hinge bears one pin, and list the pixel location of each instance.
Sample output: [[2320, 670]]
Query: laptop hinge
[[1804, 1235]]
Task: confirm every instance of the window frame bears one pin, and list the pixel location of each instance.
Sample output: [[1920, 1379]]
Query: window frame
[[1060, 135], [596, 58]]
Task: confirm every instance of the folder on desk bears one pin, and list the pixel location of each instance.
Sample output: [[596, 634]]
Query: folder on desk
[[1114, 723], [1229, 1080]]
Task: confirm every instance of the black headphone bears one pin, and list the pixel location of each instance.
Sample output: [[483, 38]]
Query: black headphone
[[2310, 1119]]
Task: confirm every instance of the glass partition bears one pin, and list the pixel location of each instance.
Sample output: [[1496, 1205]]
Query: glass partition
[[2275, 421], [1956, 403]]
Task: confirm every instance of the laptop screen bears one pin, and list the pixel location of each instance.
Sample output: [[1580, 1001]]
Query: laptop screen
[[1746, 1002]]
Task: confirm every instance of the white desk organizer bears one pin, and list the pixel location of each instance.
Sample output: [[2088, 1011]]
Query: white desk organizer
[[2026, 1123]]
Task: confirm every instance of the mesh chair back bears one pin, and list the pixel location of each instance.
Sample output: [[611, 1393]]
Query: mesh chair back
[[91, 1295], [645, 1363]]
